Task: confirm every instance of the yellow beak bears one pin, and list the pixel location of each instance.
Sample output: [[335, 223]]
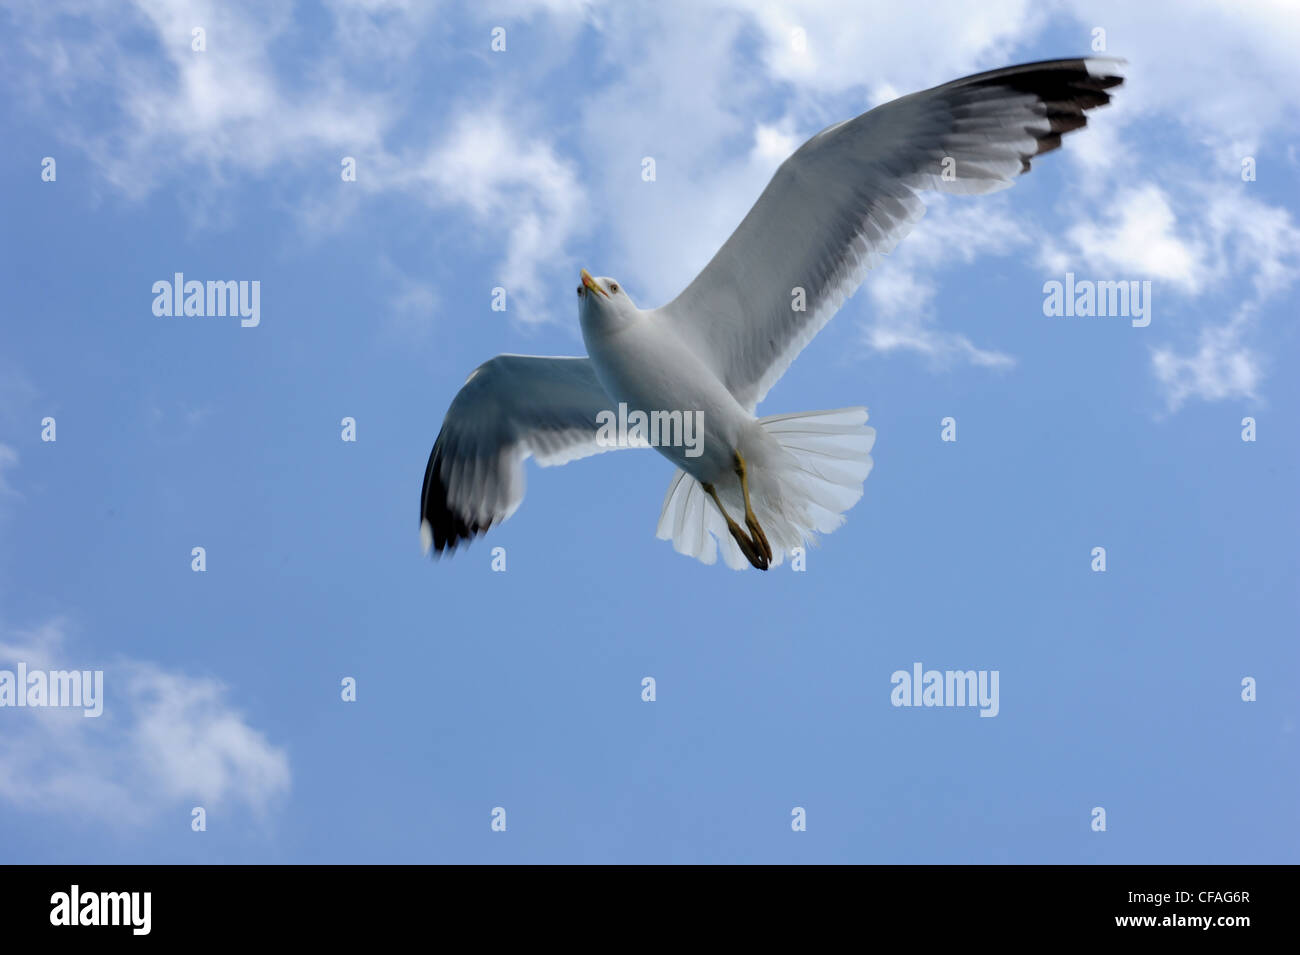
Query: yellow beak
[[590, 283]]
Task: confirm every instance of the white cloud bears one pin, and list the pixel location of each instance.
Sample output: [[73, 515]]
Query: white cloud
[[1224, 71], [773, 144], [165, 742], [1103, 147], [1252, 239], [387, 31], [689, 105], [517, 186], [170, 110], [1139, 205], [1207, 243], [232, 110], [902, 288], [696, 105], [1137, 236], [1221, 366], [903, 323], [850, 44], [1207, 84], [717, 107]]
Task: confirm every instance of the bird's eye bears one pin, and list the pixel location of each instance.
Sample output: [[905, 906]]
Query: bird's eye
[[613, 287], [579, 291]]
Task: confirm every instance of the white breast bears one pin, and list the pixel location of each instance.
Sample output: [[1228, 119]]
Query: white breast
[[646, 366]]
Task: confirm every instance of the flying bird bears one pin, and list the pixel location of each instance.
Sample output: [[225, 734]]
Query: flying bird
[[754, 488]]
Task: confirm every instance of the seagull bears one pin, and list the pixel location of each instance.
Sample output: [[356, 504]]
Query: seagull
[[708, 357]]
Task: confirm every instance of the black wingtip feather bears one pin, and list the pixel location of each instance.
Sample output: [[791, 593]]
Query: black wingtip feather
[[448, 528], [1067, 88]]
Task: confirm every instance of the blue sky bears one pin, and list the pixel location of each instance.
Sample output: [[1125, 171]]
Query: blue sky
[[522, 689]]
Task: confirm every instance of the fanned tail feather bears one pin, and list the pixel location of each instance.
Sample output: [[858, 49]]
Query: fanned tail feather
[[803, 478]]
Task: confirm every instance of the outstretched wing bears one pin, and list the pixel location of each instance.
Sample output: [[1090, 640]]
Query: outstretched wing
[[510, 408], [849, 194]]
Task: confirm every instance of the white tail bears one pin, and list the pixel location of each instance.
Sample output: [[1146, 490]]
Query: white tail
[[805, 470]]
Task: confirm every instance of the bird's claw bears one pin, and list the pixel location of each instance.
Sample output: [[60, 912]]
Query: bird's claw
[[756, 549]]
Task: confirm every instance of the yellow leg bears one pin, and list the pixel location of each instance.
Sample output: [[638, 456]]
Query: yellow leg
[[755, 530], [747, 547]]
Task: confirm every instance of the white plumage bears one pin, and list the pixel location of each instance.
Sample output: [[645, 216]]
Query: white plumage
[[845, 197]]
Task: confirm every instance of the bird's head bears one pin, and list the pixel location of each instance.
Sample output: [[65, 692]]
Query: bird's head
[[603, 302]]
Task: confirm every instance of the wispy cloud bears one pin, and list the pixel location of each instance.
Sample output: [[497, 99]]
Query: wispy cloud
[[840, 45], [8, 463], [165, 742], [717, 109], [170, 110], [213, 116], [412, 303], [1220, 366], [1212, 250], [902, 289], [517, 187], [1135, 234]]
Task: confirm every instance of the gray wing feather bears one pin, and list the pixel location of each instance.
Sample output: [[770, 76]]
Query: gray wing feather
[[849, 194], [512, 407]]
